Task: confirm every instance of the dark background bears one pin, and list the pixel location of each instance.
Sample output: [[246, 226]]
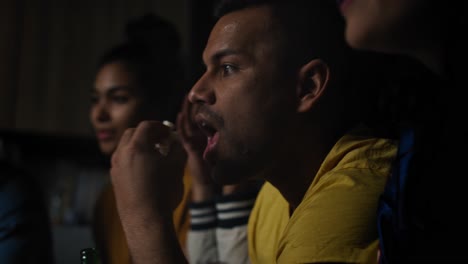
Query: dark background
[[48, 50]]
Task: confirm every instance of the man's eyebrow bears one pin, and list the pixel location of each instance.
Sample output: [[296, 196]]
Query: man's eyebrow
[[222, 53]]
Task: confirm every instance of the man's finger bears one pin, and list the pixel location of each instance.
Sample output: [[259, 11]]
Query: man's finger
[[124, 141], [187, 120], [149, 133], [126, 136], [181, 128]]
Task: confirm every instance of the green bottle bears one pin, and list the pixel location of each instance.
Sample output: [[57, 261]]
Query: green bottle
[[90, 256]]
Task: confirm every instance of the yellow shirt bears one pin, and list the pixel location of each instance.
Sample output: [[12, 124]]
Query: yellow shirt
[[336, 220], [108, 231]]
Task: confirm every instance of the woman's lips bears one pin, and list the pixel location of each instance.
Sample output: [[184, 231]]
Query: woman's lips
[[210, 146], [104, 135]]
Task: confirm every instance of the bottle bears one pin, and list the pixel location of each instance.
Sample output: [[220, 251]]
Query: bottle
[[90, 256]]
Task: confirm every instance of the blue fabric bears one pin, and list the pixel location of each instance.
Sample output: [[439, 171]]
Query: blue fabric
[[24, 227], [392, 226]]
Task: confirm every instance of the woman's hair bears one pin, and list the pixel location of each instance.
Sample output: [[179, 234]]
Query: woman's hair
[[151, 52]]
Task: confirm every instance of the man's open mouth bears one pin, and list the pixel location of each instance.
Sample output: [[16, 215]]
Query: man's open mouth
[[211, 133]]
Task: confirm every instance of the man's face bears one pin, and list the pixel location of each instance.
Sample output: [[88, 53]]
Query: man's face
[[244, 99]]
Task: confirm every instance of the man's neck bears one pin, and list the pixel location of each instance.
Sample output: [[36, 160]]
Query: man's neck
[[295, 171]]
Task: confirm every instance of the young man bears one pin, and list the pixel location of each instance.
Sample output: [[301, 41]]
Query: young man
[[278, 101]]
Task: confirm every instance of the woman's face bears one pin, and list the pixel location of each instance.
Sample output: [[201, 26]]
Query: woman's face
[[388, 25], [116, 105]]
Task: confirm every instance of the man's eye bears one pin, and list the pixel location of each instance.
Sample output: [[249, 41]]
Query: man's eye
[[227, 69]]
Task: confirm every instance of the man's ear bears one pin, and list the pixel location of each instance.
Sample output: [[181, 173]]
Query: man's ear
[[313, 80]]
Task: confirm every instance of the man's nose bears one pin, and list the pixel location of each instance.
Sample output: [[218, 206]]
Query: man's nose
[[202, 91]]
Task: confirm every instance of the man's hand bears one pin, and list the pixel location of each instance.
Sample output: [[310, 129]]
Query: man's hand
[[192, 138], [142, 177], [194, 142], [148, 187]]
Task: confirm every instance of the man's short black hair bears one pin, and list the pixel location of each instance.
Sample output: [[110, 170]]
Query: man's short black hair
[[307, 29]]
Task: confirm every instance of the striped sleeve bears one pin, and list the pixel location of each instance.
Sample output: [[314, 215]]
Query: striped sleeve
[[203, 215], [234, 210]]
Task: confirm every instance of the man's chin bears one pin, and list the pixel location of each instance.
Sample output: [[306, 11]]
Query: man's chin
[[229, 173]]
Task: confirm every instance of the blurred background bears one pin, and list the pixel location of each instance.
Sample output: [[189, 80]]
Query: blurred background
[[48, 52]]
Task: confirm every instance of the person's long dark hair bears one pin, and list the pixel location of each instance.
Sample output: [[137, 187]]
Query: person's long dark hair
[[151, 52]]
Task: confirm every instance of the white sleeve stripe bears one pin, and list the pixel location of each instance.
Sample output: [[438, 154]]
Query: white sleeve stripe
[[232, 205], [202, 211], [231, 215]]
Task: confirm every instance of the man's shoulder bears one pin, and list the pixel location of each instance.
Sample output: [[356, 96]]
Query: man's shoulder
[[270, 200], [334, 220], [270, 212]]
